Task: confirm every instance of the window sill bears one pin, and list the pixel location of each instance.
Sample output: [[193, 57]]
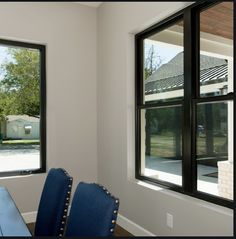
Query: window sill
[[188, 199]]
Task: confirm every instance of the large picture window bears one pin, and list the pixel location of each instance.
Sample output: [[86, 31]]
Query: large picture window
[[22, 108], [185, 95]]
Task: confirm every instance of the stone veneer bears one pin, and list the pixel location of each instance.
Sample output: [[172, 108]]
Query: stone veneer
[[225, 179]]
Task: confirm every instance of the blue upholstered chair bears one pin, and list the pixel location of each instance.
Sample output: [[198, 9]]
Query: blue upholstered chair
[[53, 205], [93, 212]]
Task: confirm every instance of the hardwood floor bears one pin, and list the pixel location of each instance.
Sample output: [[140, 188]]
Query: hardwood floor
[[31, 227], [119, 231]]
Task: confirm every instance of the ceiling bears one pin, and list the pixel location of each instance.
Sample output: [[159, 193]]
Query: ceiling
[[210, 23], [208, 18], [91, 4]]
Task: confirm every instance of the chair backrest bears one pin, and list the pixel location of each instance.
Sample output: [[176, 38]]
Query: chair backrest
[[53, 205], [93, 211]]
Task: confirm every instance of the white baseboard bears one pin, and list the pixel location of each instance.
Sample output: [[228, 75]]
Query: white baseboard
[[29, 217], [132, 227], [122, 221]]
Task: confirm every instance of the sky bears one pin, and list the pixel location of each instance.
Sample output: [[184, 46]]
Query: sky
[[3, 57], [2, 53], [164, 50]]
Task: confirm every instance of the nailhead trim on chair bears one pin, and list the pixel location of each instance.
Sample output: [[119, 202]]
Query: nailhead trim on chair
[[63, 222], [113, 221]]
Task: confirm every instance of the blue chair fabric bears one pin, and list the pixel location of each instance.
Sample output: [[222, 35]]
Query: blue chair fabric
[[53, 205], [93, 212]]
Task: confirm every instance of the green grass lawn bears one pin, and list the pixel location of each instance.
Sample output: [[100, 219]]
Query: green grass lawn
[[21, 142], [164, 145]]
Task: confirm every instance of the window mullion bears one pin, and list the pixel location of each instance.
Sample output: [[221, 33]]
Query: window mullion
[[191, 63], [139, 59]]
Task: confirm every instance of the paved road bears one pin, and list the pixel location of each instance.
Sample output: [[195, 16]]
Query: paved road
[[19, 157]]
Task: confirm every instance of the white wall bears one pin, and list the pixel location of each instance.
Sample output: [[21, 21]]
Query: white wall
[[145, 206], [69, 32]]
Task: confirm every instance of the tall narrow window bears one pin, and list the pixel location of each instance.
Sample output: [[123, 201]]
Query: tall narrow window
[[161, 114], [22, 108]]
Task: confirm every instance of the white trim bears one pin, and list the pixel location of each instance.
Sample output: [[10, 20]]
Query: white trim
[[29, 217], [91, 4], [122, 221], [132, 227], [188, 199]]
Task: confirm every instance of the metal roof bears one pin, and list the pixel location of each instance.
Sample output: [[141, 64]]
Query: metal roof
[[22, 117], [170, 76]]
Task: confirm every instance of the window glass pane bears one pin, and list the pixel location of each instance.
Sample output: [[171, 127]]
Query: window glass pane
[[163, 65], [161, 142], [216, 45], [215, 148], [19, 108]]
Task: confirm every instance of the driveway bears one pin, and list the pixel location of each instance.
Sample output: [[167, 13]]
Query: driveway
[[19, 157]]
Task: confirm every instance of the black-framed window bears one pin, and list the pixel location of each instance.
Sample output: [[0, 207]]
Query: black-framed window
[[22, 108], [185, 91]]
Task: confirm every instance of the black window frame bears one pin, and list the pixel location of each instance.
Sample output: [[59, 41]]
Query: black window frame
[[42, 50], [190, 16]]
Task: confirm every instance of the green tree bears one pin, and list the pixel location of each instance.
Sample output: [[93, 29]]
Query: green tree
[[20, 87]]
